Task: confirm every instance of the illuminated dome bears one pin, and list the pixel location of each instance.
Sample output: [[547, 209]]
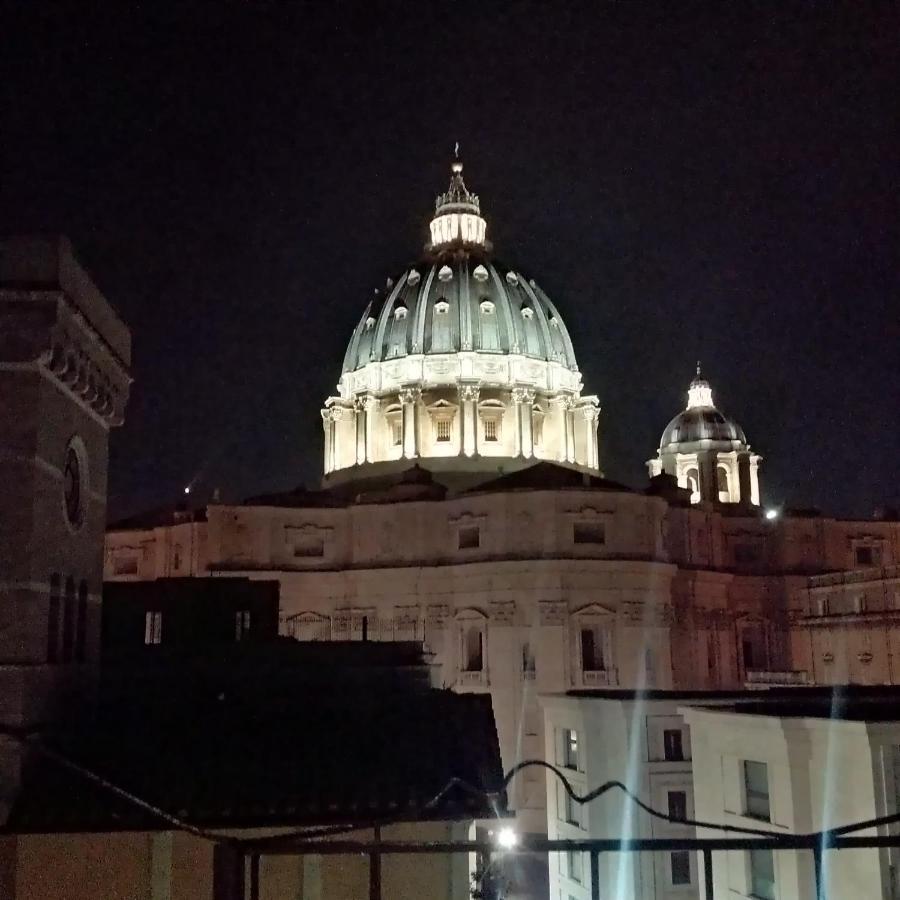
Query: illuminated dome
[[459, 362], [700, 420], [460, 302], [707, 452]]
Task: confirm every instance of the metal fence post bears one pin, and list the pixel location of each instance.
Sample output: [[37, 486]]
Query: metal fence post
[[707, 874], [595, 875]]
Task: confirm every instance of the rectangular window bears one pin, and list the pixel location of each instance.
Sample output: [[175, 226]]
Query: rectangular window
[[680, 861], [762, 874], [396, 433], [571, 811], [673, 748], [473, 649], [125, 565], [867, 556], [537, 430], [588, 533], [593, 649], [241, 624], [152, 627], [442, 430], [678, 805], [491, 429], [309, 546], [746, 554], [569, 748], [756, 790], [573, 865], [528, 665], [469, 537]]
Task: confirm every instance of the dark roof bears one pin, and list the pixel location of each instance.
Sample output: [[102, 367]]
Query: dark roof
[[153, 518], [701, 423], [299, 497], [326, 757], [548, 476]]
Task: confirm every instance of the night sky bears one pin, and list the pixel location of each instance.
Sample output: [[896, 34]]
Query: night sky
[[686, 180]]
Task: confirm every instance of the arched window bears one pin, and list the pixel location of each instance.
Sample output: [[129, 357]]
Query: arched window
[[69, 613], [53, 619], [692, 483], [81, 622], [722, 484]]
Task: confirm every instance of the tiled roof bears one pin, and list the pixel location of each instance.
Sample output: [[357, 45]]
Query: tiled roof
[[329, 754]]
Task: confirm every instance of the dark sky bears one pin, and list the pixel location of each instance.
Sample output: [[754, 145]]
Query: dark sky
[[687, 180]]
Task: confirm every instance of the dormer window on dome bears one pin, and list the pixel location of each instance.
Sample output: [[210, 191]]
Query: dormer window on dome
[[457, 214]]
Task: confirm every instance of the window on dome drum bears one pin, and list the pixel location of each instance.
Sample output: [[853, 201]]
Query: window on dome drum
[[673, 745], [677, 805], [568, 749], [152, 627], [396, 432], [537, 429], [469, 537], [692, 483], [442, 429], [722, 484], [588, 533], [680, 863], [756, 790], [492, 430], [241, 624], [594, 641], [761, 864]]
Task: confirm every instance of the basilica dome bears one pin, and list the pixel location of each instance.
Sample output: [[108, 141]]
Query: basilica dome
[[459, 362], [701, 421], [460, 303]]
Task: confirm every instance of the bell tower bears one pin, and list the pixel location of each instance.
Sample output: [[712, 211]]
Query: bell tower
[[64, 381]]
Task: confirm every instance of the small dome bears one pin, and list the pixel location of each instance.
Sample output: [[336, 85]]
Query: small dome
[[700, 420], [701, 425]]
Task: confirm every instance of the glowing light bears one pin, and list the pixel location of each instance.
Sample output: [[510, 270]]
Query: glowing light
[[699, 394], [453, 226], [187, 490], [772, 514], [507, 838]]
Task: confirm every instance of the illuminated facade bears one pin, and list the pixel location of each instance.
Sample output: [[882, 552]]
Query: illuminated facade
[[461, 364], [707, 452]]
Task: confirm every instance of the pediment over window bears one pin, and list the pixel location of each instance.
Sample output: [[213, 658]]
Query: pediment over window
[[589, 512], [593, 610], [470, 614]]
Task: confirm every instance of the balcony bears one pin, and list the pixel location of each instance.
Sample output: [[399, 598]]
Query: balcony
[[759, 678], [478, 678], [600, 678]]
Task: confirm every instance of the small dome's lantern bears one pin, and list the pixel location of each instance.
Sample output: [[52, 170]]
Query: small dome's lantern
[[457, 215]]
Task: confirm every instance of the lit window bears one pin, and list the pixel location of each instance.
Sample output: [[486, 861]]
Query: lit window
[[152, 627], [677, 805], [400, 312], [722, 484], [469, 537], [491, 429], [487, 307], [441, 307], [527, 312], [442, 430], [762, 874], [569, 748], [692, 483], [588, 533], [241, 624], [680, 862], [673, 747], [756, 790]]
